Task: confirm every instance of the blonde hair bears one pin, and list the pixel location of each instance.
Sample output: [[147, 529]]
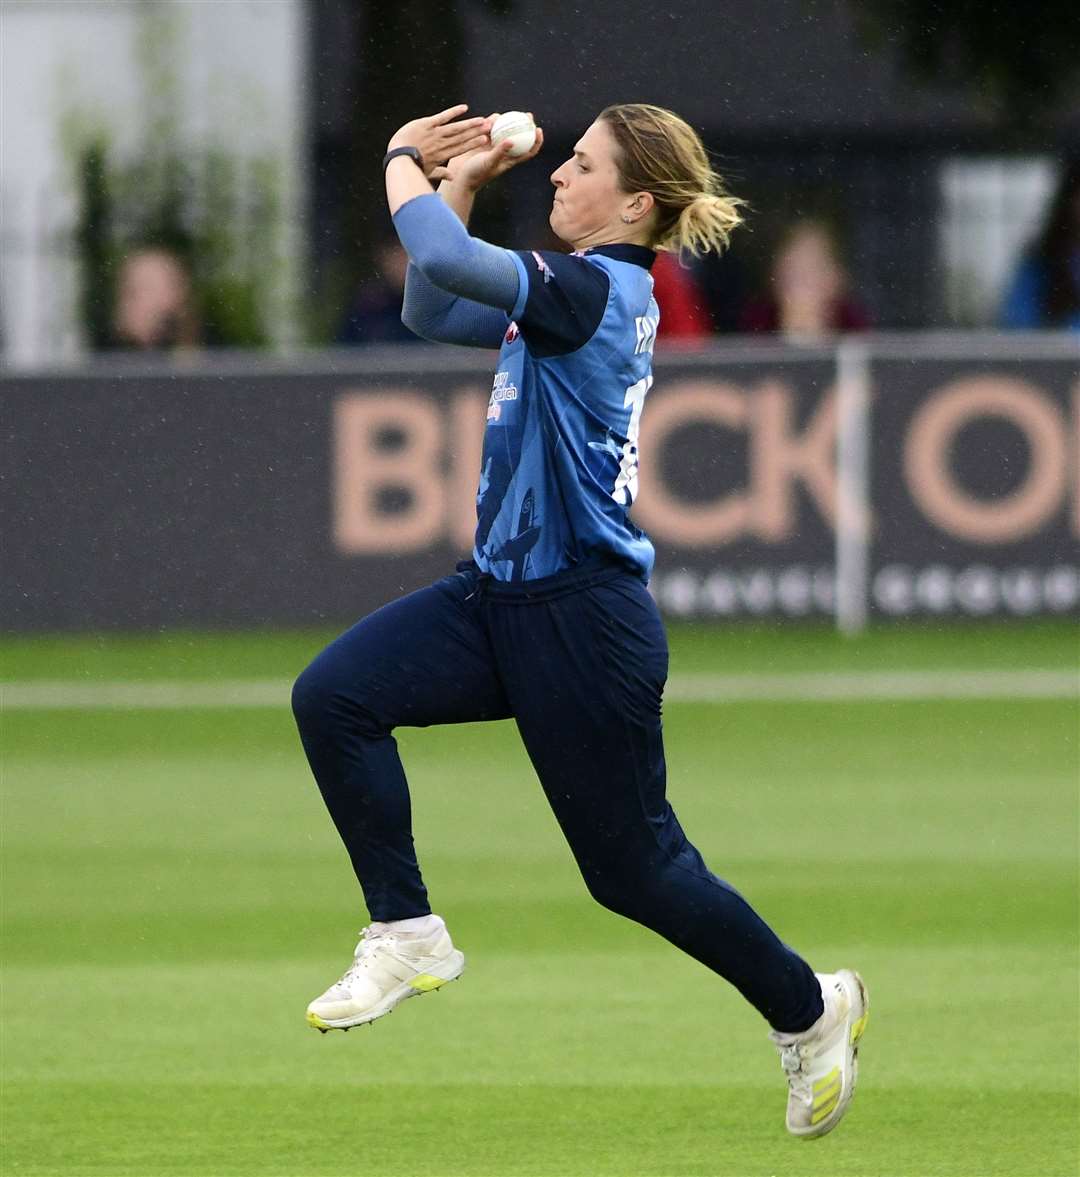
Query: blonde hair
[[661, 154]]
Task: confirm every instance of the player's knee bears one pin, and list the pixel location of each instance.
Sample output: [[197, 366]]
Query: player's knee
[[303, 697], [323, 700], [611, 890], [312, 695], [637, 893]]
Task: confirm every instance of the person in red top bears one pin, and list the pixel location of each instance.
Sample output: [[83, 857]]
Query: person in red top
[[809, 297], [684, 318]]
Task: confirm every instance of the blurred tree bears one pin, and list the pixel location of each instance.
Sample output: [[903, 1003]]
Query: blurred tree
[[219, 219], [1022, 58], [93, 235], [219, 215]]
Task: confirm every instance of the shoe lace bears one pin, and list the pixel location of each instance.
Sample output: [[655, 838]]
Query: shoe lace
[[371, 940], [795, 1058]]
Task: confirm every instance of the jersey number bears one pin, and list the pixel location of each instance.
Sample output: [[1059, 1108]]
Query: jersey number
[[626, 484]]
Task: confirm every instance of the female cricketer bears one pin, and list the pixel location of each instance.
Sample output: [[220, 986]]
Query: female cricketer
[[550, 622]]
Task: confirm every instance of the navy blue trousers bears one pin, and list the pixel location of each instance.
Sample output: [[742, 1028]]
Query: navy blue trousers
[[579, 662]]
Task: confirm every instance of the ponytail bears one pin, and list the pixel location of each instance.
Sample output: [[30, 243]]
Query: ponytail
[[705, 225], [661, 154]]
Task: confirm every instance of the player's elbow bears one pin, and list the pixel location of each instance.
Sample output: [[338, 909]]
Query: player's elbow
[[447, 265], [418, 324], [440, 269]]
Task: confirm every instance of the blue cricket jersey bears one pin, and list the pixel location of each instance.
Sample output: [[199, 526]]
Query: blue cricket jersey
[[560, 457]]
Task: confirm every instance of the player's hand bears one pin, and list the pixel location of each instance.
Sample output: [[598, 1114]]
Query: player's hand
[[442, 136], [479, 166]]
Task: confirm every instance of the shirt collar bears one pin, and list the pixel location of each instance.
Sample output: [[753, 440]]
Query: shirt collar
[[638, 255]]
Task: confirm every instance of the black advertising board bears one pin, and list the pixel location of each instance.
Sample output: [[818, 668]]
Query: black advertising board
[[145, 500], [240, 493], [974, 486], [738, 487]]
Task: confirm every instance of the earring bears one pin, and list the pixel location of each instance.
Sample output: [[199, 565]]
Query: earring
[[628, 220]]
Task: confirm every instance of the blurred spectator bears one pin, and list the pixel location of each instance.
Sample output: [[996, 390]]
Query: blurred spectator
[[809, 298], [374, 315], [154, 306], [1045, 290], [684, 318]]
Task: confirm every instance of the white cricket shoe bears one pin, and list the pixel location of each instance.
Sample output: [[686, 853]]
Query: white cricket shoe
[[822, 1063], [387, 968]]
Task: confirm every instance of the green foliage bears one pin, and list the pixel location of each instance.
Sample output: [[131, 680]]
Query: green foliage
[[93, 237], [220, 217], [219, 214]]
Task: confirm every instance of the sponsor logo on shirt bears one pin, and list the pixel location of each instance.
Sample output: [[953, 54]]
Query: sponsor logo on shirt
[[501, 391], [543, 267]]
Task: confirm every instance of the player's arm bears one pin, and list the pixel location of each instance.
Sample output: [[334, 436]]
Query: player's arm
[[437, 314], [442, 317], [442, 250], [466, 143], [459, 289]]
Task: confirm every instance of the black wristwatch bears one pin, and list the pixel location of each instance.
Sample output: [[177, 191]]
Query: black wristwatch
[[412, 152]]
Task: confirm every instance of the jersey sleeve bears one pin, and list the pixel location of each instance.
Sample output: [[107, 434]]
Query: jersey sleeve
[[442, 317], [561, 302], [442, 250]]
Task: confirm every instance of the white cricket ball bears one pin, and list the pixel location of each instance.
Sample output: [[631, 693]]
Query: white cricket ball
[[516, 126]]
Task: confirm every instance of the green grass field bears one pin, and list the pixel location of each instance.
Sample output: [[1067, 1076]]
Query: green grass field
[[173, 895]]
